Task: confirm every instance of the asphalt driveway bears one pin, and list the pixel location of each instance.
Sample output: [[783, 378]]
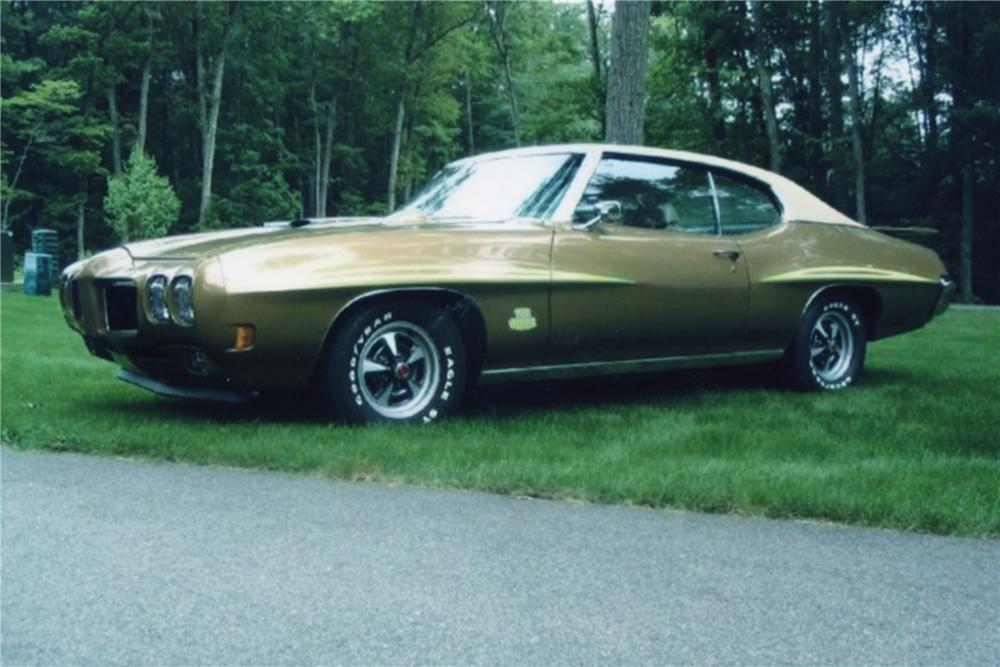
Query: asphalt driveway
[[125, 562]]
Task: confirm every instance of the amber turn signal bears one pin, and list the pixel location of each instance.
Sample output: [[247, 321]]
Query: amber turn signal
[[245, 337]]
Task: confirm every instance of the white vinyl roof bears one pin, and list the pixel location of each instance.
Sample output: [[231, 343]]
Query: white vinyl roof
[[797, 202]]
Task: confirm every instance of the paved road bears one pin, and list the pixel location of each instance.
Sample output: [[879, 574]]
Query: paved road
[[121, 562]]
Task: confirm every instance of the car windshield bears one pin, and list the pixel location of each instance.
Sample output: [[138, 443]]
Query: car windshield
[[497, 188]]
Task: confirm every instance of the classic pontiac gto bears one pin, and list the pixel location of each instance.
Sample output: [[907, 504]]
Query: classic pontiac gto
[[544, 262]]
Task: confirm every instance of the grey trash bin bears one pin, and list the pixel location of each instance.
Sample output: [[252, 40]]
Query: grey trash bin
[[46, 241], [37, 273]]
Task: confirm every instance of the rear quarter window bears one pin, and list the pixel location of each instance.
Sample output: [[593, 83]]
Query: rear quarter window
[[744, 207]]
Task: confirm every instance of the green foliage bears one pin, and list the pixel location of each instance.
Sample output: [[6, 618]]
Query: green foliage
[[929, 100], [140, 204]]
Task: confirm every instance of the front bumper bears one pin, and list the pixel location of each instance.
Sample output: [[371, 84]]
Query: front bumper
[[193, 393]]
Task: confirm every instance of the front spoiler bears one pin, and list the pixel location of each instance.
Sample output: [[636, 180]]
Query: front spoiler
[[194, 393]]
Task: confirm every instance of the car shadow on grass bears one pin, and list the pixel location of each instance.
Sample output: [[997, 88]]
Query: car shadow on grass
[[661, 389]]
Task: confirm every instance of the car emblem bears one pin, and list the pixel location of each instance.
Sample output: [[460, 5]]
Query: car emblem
[[523, 320]]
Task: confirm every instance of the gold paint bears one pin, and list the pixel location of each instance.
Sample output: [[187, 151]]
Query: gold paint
[[418, 275]]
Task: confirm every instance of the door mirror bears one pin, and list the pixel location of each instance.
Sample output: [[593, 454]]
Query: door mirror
[[604, 211]]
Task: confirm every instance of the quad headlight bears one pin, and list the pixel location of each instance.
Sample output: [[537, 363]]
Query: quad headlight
[[156, 299], [182, 295]]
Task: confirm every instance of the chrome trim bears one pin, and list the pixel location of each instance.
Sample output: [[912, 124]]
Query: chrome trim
[[944, 299], [574, 193], [648, 365], [172, 299], [382, 292], [144, 298], [393, 290], [715, 203], [824, 288]]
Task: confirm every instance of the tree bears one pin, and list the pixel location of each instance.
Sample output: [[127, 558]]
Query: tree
[[857, 141], [140, 203], [426, 29], [210, 100], [498, 14], [761, 52], [626, 87], [29, 115], [261, 111]]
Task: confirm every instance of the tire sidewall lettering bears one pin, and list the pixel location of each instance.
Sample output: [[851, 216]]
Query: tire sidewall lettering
[[849, 311], [443, 395]]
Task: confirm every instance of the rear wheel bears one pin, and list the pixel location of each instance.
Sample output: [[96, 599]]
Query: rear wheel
[[828, 352], [402, 363]]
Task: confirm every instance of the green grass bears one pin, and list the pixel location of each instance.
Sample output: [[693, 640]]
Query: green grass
[[914, 446]]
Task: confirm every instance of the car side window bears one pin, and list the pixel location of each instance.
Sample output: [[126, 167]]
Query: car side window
[[653, 195], [743, 207]]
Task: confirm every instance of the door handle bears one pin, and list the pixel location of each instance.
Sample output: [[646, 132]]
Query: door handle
[[728, 254]]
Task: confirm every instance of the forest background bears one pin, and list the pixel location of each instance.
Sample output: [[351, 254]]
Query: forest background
[[214, 115]]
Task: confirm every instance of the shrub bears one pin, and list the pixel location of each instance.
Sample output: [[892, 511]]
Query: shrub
[[140, 203]]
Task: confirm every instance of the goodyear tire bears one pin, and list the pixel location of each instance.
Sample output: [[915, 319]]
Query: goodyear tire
[[828, 352], [396, 363]]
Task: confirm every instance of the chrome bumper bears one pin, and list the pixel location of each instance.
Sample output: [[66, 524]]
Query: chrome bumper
[[944, 299]]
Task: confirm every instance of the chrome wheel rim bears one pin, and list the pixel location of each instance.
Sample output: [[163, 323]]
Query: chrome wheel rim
[[399, 370], [831, 346]]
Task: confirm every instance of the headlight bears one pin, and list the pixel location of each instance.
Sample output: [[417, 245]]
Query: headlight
[[183, 298], [156, 299]]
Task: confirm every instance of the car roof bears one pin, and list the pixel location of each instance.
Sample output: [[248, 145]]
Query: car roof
[[797, 202]]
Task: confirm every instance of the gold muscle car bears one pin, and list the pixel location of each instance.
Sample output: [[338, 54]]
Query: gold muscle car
[[544, 262]]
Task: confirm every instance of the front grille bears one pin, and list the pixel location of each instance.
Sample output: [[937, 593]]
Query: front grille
[[121, 310]]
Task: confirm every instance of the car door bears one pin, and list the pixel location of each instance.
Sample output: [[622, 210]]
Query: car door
[[660, 282]]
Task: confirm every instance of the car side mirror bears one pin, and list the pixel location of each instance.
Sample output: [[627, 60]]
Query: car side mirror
[[606, 211]]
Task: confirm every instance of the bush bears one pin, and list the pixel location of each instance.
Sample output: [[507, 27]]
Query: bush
[[140, 203]]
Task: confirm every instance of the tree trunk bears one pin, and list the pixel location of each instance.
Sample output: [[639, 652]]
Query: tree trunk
[[515, 116], [595, 59], [407, 149], [397, 140], [471, 142], [397, 128], [331, 118], [857, 145], [317, 151], [626, 80], [837, 186], [17, 173], [968, 227], [715, 98], [595, 49], [815, 139], [498, 13], [927, 79], [211, 108], [79, 231], [116, 133], [147, 73], [764, 81]]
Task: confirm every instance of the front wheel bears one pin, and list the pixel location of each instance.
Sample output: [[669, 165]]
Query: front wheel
[[402, 363], [828, 351]]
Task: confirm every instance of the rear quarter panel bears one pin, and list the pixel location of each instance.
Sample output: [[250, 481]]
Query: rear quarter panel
[[792, 262]]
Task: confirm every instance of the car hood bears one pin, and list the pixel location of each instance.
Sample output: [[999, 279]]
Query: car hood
[[196, 246]]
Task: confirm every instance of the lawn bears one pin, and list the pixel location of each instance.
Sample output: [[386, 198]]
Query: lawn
[[915, 446]]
